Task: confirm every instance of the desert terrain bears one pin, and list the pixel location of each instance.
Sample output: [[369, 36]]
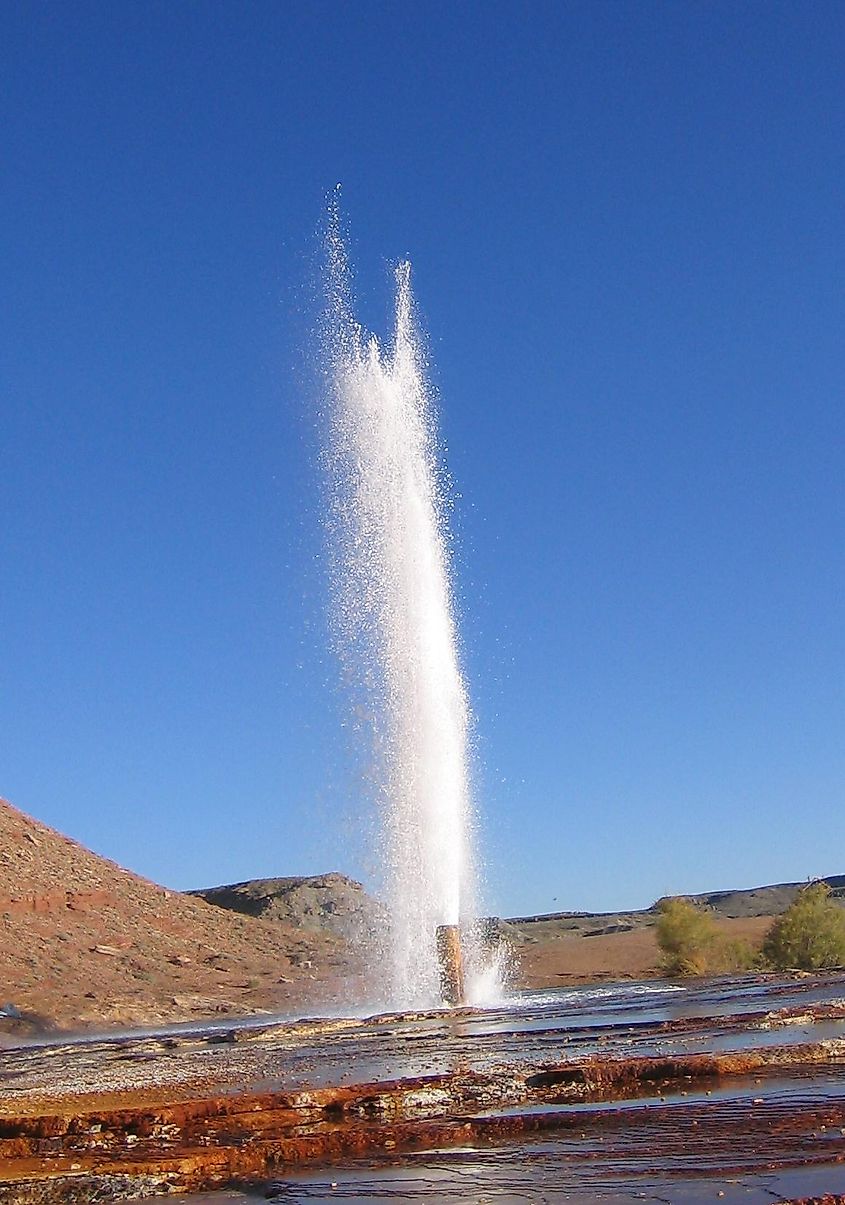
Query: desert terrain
[[86, 944]]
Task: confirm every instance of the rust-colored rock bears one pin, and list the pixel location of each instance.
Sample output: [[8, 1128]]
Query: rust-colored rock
[[451, 959], [250, 1136]]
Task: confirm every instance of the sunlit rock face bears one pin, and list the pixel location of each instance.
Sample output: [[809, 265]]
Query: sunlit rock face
[[331, 903]]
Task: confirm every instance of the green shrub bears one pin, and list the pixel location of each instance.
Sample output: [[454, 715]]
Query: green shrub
[[810, 935], [687, 937], [738, 955], [692, 944]]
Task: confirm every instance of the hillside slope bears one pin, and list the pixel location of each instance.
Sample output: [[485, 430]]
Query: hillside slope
[[83, 941]]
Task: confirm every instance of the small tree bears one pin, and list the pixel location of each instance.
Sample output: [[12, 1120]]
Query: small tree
[[687, 936], [810, 934]]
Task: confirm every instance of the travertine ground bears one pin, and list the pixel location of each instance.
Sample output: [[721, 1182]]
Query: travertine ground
[[605, 1088]]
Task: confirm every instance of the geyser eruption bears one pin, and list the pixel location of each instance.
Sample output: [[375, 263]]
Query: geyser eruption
[[394, 624]]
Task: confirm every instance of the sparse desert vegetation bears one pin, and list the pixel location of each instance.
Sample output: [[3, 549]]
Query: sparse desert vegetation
[[691, 943], [808, 936]]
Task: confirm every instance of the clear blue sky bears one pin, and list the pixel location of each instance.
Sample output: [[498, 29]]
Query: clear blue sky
[[627, 224]]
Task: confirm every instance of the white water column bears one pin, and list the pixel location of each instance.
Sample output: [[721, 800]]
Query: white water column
[[393, 618]]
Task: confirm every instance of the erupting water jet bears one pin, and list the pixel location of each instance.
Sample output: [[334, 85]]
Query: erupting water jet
[[394, 626]]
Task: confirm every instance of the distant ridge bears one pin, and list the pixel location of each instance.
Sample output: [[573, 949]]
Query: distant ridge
[[567, 948], [740, 904], [764, 901], [339, 906], [733, 904], [335, 903]]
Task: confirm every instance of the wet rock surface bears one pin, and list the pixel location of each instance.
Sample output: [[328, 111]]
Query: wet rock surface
[[522, 1174], [606, 1091]]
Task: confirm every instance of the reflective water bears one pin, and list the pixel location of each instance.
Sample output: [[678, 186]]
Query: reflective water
[[531, 1176], [531, 1029], [755, 1137]]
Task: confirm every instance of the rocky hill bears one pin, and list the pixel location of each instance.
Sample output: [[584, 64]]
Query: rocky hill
[[83, 941], [326, 903]]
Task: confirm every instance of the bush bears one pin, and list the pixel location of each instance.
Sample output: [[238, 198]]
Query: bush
[[692, 944], [687, 936], [738, 955], [810, 935]]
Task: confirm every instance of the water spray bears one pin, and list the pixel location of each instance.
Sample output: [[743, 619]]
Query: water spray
[[394, 624]]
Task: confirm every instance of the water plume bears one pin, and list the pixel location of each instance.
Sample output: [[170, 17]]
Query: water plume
[[393, 620]]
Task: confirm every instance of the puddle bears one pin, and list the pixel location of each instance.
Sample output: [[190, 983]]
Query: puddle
[[523, 1177]]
